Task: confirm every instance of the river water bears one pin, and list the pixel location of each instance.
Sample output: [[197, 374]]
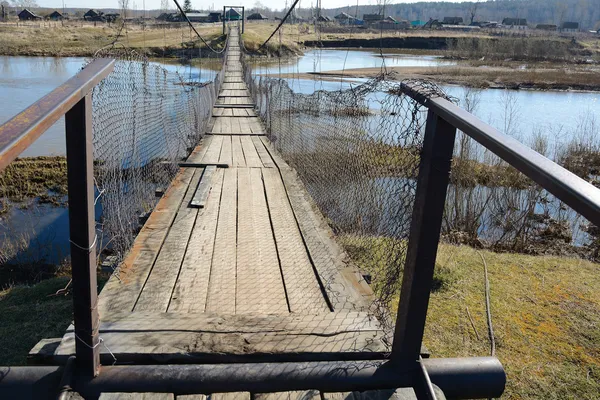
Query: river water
[[23, 80]]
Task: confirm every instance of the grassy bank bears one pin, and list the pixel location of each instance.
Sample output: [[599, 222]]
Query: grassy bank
[[475, 74], [31, 313], [70, 41], [545, 313], [44, 178]]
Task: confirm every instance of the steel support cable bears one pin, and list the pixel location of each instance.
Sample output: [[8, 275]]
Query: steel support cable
[[197, 33], [278, 26]]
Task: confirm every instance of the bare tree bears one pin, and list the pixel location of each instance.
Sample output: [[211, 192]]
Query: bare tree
[[473, 10], [187, 5], [25, 3], [124, 6]]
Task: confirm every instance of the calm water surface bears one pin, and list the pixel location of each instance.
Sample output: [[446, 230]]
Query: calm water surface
[[24, 80]]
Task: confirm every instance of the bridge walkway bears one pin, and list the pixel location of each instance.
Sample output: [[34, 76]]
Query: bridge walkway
[[235, 263]]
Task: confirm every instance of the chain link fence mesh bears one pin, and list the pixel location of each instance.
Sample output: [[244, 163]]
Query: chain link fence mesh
[[146, 119], [357, 151]]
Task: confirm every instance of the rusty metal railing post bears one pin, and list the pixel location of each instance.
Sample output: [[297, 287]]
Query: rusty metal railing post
[[432, 184], [83, 238]]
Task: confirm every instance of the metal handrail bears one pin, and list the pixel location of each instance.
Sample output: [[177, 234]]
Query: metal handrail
[[72, 99], [26, 127], [578, 194], [443, 120]]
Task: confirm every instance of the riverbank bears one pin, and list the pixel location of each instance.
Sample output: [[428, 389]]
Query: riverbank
[[73, 41], [511, 76], [545, 314]]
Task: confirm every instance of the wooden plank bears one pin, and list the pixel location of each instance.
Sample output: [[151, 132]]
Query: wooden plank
[[156, 294], [259, 283], [217, 337], [226, 153], [202, 191], [214, 151], [192, 397], [264, 155], [191, 288], [344, 285], [338, 396], [202, 165], [252, 158], [221, 290], [295, 395], [221, 104], [302, 287], [217, 112], [200, 150], [238, 153], [230, 396], [137, 396], [123, 288]]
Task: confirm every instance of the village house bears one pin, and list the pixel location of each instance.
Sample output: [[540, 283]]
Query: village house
[[215, 16], [569, 27], [347, 19], [94, 15], [257, 17], [232, 15], [452, 21], [27, 15], [515, 23], [371, 18], [198, 17], [55, 16]]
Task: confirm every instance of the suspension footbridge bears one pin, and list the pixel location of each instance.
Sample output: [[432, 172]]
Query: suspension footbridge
[[237, 282]]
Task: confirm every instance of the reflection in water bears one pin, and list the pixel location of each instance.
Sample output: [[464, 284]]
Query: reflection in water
[[24, 80]]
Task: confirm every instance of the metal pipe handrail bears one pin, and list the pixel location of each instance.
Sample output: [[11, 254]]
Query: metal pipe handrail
[[21, 131], [73, 99], [578, 194]]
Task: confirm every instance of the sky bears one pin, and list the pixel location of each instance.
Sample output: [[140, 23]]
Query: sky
[[207, 4]]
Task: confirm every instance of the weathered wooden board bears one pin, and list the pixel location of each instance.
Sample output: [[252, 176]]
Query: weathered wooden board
[[302, 287], [156, 293], [252, 158], [221, 290], [226, 155], [211, 337], [296, 395], [230, 396], [204, 186], [214, 151], [137, 396], [259, 283], [238, 153], [123, 288], [345, 287], [264, 155], [191, 288]]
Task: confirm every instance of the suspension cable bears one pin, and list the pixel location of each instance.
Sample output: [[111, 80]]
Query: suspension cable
[[192, 26], [279, 26]]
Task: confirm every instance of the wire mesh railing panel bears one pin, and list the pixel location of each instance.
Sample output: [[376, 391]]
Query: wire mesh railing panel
[[357, 151], [145, 120]]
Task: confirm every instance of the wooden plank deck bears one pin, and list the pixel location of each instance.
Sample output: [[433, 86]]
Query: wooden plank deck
[[253, 274]]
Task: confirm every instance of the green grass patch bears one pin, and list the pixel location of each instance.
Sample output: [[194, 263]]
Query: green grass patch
[[27, 178], [545, 312], [31, 313]]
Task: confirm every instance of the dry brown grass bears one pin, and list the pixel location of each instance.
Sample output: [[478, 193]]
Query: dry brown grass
[[545, 313], [56, 40]]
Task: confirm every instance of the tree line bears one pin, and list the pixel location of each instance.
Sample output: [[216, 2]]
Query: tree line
[[586, 12]]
